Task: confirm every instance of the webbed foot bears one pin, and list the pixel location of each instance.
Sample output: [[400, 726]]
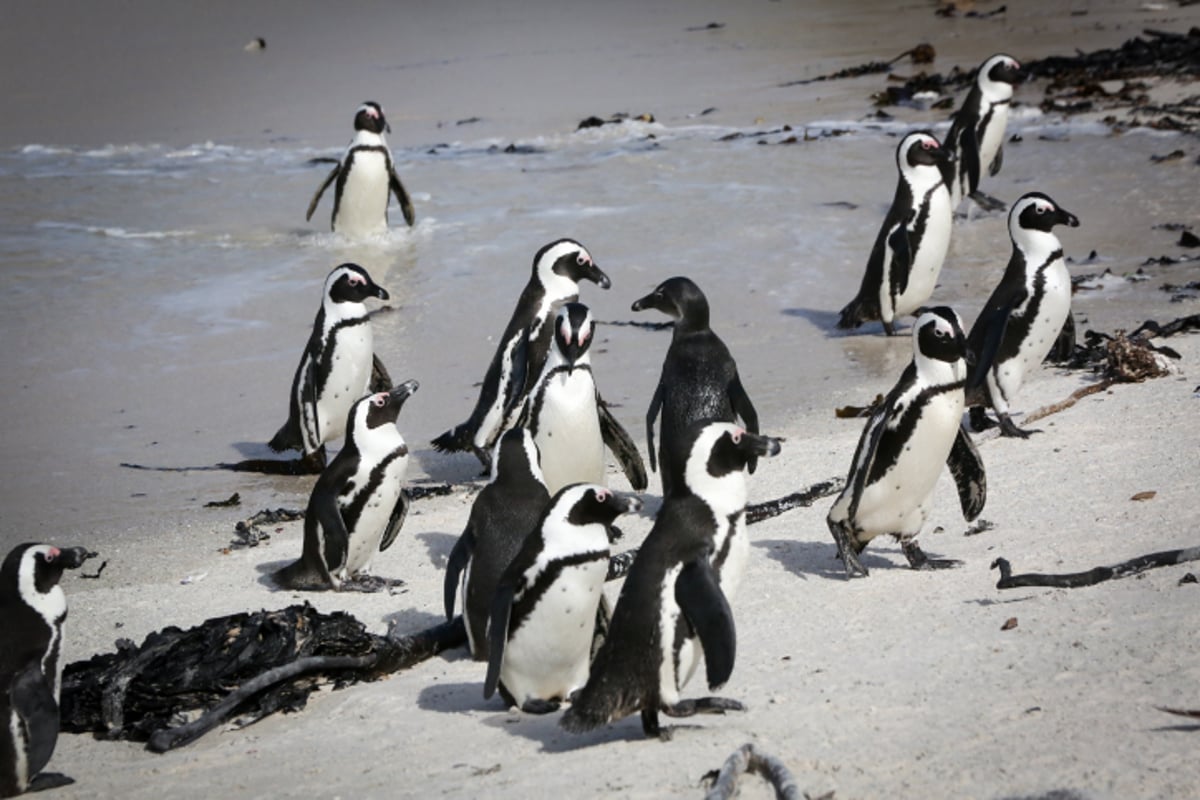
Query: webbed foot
[[846, 550], [918, 560]]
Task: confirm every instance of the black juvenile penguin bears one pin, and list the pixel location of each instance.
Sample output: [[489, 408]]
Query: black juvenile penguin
[[33, 609], [1025, 314], [336, 366], [699, 379], [503, 514], [366, 176], [976, 136], [672, 596], [557, 270], [906, 260], [903, 447], [358, 504]]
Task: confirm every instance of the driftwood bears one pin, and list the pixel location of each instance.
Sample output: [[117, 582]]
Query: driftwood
[[748, 758], [1095, 575], [801, 499]]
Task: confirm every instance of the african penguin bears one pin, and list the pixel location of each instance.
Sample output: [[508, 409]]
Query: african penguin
[[903, 268], [366, 177], [33, 608], [543, 617], [336, 367], [505, 511], [976, 136], [569, 421], [1022, 319], [699, 378], [358, 504], [903, 447], [557, 270]]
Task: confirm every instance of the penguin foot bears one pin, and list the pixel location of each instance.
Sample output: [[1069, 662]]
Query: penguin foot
[[980, 421], [702, 705], [918, 560], [369, 584], [49, 780], [1009, 428], [987, 202], [846, 550], [536, 705]]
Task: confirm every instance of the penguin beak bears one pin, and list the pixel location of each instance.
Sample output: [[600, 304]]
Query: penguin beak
[[379, 291], [594, 273], [756, 445], [73, 557], [623, 503], [643, 303], [1067, 218], [404, 391]]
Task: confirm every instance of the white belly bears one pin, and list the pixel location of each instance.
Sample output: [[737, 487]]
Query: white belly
[[993, 138], [362, 210], [568, 435], [930, 255], [348, 379], [1005, 380], [735, 561], [364, 542]]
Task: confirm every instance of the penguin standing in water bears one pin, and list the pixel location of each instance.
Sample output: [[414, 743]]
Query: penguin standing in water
[[699, 379], [557, 270], [976, 136], [571, 425], [673, 595], [544, 612], [903, 447], [502, 516], [335, 369], [358, 504], [1025, 314], [366, 177], [33, 608], [906, 260]]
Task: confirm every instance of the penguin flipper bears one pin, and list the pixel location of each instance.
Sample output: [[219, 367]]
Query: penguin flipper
[[335, 538], [395, 522], [33, 701], [330, 178], [460, 556], [744, 408], [967, 468], [617, 439], [652, 414], [699, 595], [901, 261], [498, 635], [310, 417], [988, 334], [997, 162], [406, 206], [969, 153]]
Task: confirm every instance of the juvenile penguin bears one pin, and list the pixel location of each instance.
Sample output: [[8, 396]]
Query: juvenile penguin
[[335, 368], [505, 511], [699, 379], [33, 608], [976, 136], [1027, 310], [903, 447], [557, 270], [569, 421], [366, 177], [358, 504], [673, 594], [544, 612], [906, 260]]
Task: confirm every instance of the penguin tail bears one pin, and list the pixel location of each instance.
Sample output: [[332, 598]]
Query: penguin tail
[[286, 438], [455, 440], [854, 314]]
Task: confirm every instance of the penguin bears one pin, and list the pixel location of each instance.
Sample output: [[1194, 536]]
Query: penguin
[[569, 421], [336, 367], [1025, 313], [673, 595], [903, 268], [699, 379], [903, 446], [557, 270], [544, 612], [34, 608], [358, 504], [976, 135], [505, 511], [366, 176]]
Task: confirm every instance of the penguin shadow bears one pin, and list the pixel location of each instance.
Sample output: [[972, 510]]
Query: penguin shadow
[[819, 559], [458, 698], [824, 320], [546, 731], [409, 621], [452, 468], [266, 575], [438, 545]]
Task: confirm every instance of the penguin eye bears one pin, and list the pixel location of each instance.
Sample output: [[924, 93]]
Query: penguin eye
[[379, 400], [582, 259], [565, 330], [927, 145], [602, 496], [356, 280], [1041, 209], [737, 436]]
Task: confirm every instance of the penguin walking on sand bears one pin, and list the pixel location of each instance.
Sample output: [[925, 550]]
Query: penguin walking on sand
[[906, 260], [699, 379], [570, 423], [505, 511], [903, 447], [336, 367], [1026, 313], [358, 504], [33, 608], [366, 178], [544, 613], [557, 270], [673, 596], [976, 136]]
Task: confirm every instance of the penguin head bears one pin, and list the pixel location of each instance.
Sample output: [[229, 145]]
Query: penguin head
[[938, 336], [561, 265], [721, 448], [1034, 216], [369, 117], [377, 413], [573, 328], [997, 76], [921, 149], [680, 299], [34, 570], [516, 456], [350, 283], [589, 503]]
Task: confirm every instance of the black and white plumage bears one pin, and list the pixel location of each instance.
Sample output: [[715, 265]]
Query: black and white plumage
[[544, 613], [335, 368], [674, 596], [1025, 313], [911, 245], [33, 609], [569, 421], [904, 445], [557, 270], [366, 178], [358, 504], [699, 379], [505, 511], [976, 136]]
